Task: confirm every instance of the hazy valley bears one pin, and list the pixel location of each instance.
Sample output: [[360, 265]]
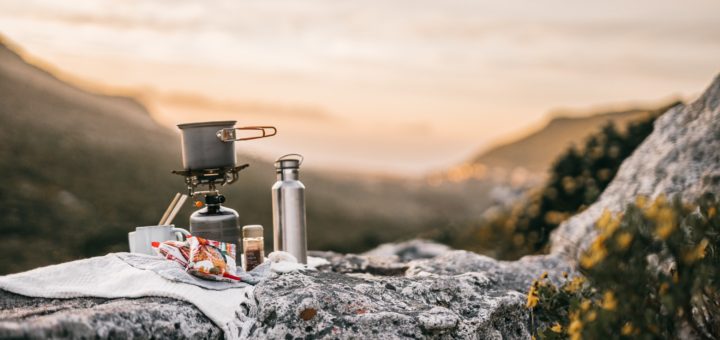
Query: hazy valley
[[83, 169]]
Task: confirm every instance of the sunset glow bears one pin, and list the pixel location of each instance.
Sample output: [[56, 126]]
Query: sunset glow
[[384, 86]]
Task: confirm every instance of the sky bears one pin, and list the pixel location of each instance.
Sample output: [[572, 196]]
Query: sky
[[388, 86]]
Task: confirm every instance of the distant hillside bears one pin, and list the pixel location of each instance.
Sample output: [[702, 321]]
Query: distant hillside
[[536, 151], [80, 170], [524, 162]]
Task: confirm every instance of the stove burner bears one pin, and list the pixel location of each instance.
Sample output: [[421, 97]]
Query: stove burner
[[210, 177]]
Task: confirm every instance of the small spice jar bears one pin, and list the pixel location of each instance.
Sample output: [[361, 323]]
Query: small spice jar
[[253, 246]]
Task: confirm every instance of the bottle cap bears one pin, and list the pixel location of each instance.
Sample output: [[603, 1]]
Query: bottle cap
[[289, 161], [252, 230]]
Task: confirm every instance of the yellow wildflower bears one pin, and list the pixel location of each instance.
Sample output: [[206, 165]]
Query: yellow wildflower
[[661, 200], [641, 201], [652, 211], [666, 213], [591, 316], [556, 327], [604, 220], [624, 240], [609, 302], [586, 262], [712, 212], [532, 301], [696, 253], [599, 243], [664, 230], [627, 329], [585, 305], [574, 315], [613, 225], [532, 298], [575, 284], [544, 276], [666, 223], [575, 328], [596, 254]]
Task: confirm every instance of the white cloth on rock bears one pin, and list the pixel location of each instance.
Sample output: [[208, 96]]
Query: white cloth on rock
[[111, 276]]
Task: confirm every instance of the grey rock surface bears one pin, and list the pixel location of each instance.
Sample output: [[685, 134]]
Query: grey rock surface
[[152, 317], [458, 294], [680, 157], [409, 290], [409, 250]]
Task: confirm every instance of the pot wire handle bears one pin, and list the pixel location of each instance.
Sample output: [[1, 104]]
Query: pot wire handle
[[229, 135]]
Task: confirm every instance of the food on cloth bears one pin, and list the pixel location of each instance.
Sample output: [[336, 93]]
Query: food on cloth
[[177, 251], [210, 259], [206, 259]]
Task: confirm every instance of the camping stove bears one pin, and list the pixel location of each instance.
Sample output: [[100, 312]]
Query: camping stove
[[209, 161], [213, 221], [209, 177]]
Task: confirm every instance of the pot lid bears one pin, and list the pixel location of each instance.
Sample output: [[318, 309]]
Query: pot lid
[[214, 123]]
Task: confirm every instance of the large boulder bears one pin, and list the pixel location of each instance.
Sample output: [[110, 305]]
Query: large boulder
[[410, 290], [680, 157]]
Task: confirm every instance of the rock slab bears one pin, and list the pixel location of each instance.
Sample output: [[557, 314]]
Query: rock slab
[[152, 317]]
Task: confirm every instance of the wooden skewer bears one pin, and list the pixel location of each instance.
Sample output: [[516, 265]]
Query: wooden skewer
[[169, 209], [176, 209]]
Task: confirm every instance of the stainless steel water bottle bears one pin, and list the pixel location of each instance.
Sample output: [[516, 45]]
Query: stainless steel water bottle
[[288, 203]]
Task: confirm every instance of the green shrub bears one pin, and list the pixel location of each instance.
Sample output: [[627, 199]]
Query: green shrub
[[577, 178], [652, 272]]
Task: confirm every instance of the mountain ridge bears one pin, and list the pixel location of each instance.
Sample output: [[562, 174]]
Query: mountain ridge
[[512, 154], [523, 161], [14, 64]]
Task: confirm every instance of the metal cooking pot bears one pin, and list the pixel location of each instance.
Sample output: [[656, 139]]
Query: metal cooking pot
[[211, 145]]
